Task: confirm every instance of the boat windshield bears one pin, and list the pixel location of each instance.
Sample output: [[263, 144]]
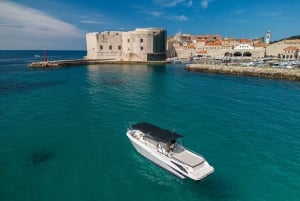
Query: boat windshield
[[177, 148], [150, 139]]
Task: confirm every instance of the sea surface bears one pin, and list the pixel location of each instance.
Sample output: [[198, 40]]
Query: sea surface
[[63, 132]]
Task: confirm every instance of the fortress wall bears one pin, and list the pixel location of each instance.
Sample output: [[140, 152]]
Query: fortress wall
[[277, 48], [137, 45]]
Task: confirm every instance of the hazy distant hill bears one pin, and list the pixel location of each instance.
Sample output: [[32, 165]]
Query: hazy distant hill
[[289, 38]]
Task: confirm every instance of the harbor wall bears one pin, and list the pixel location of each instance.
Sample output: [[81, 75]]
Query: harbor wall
[[77, 62], [267, 72]]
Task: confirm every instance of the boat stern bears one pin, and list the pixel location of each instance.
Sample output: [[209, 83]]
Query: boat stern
[[202, 172]]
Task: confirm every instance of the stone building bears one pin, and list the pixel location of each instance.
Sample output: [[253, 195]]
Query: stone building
[[142, 44], [278, 49], [214, 46], [290, 53]]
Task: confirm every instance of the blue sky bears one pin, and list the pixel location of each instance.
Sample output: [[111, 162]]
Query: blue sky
[[62, 24]]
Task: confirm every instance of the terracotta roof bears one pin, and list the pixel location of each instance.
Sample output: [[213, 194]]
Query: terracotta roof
[[259, 45], [202, 52], [214, 43], [245, 40], [291, 48]]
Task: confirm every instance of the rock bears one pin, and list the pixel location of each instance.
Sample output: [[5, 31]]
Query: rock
[[41, 157]]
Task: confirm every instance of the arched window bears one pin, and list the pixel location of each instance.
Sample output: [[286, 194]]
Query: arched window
[[237, 54], [247, 54]]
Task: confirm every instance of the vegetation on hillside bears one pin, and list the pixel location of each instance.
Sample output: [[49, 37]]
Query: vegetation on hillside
[[289, 38]]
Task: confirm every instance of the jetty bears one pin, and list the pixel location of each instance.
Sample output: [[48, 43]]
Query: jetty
[[77, 62], [266, 72]]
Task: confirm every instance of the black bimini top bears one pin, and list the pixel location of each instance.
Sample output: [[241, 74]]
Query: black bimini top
[[156, 132]]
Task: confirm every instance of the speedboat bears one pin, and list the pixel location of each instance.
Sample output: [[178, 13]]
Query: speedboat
[[162, 147]]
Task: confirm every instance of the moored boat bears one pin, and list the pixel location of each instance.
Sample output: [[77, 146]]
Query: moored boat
[[161, 146]]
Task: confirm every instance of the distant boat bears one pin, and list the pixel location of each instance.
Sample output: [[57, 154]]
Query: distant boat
[[161, 147], [37, 56], [175, 60]]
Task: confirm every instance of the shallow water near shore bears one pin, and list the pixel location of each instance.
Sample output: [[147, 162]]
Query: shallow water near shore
[[63, 132]]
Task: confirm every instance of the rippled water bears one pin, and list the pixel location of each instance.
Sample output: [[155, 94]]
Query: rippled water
[[62, 132]]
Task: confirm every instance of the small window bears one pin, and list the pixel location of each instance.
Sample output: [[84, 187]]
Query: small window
[[110, 47], [142, 48], [142, 40], [101, 47], [128, 40], [119, 47]]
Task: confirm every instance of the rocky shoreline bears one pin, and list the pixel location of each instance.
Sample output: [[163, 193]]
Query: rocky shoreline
[[266, 72]]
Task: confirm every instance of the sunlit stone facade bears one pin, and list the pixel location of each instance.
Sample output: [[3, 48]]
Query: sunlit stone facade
[[142, 44]]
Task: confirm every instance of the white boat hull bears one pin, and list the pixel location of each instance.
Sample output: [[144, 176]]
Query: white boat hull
[[154, 157], [168, 162]]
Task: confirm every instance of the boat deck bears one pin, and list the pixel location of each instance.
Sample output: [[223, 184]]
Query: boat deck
[[188, 158]]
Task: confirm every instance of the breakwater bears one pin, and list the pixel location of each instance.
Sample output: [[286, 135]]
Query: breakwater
[[76, 62], [267, 72]]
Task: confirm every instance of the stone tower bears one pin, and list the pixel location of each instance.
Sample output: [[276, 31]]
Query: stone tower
[[268, 37]]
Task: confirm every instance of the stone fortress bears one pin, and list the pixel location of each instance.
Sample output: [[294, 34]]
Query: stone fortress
[[141, 44]]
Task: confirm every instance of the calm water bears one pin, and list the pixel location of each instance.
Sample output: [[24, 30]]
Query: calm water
[[62, 132]]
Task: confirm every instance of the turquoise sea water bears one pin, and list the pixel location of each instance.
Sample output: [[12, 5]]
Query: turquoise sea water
[[62, 132]]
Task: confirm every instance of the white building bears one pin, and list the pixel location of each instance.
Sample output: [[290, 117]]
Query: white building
[[244, 46], [142, 44]]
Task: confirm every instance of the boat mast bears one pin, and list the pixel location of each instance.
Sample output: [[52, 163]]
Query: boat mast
[[45, 56]]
